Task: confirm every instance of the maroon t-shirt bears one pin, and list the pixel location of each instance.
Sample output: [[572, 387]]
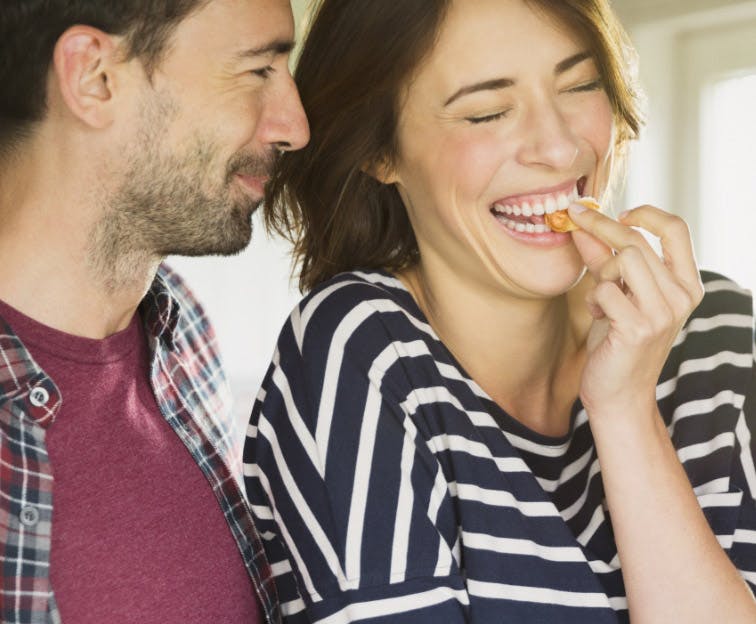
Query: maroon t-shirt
[[137, 535]]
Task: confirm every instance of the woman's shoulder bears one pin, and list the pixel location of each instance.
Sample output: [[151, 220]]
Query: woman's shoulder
[[713, 356], [724, 296], [361, 309], [721, 326]]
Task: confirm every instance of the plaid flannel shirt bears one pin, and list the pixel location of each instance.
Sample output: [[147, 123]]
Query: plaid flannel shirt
[[193, 396]]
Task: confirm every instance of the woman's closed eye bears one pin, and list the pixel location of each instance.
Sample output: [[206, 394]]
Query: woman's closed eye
[[593, 85], [487, 118]]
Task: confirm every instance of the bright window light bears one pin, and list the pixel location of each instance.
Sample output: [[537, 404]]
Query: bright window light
[[728, 179]]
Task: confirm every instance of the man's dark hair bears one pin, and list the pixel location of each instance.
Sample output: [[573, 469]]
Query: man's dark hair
[[29, 30]]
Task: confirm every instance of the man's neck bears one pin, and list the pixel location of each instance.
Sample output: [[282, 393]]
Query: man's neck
[[51, 268]]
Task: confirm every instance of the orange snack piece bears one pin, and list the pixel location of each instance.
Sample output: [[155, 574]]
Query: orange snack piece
[[560, 221]]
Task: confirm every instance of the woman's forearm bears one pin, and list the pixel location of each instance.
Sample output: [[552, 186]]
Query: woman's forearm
[[673, 567]]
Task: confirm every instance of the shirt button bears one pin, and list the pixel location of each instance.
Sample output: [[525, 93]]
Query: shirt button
[[29, 516], [39, 396]]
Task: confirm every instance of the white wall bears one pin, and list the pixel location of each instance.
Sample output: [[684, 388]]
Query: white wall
[[682, 46]]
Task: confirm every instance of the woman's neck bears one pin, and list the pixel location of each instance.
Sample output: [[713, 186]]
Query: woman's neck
[[526, 353]]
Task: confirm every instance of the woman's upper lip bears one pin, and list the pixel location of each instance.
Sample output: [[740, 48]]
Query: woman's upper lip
[[565, 187]]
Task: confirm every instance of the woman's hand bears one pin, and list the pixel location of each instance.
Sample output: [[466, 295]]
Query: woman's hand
[[640, 303]]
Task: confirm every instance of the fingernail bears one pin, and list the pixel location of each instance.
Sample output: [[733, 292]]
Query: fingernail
[[623, 215], [577, 208]]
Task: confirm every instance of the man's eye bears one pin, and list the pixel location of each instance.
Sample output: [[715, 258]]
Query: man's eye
[[487, 118], [263, 72]]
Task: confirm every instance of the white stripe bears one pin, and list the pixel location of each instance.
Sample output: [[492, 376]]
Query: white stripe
[[460, 444], [499, 498], [393, 606], [745, 536], [304, 315], [262, 512], [569, 471], [746, 459], [571, 511], [514, 546], [295, 318], [253, 470], [441, 394], [280, 567], [365, 450], [404, 505], [300, 428], [719, 499], [707, 324], [542, 595], [602, 567], [741, 360], [618, 603], [319, 537], [377, 278], [529, 446], [748, 576], [705, 406], [292, 607], [594, 523], [717, 486], [343, 333], [443, 558], [725, 285], [702, 449]]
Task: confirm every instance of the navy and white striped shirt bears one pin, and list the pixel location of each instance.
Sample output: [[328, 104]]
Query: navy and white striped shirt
[[389, 487]]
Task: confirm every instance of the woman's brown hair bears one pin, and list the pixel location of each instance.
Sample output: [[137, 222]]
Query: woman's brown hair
[[358, 57]]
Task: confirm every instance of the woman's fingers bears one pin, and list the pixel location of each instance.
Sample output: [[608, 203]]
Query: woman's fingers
[[593, 252], [677, 274], [677, 246], [630, 272]]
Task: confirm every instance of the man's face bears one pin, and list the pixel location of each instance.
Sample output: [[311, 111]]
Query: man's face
[[208, 126]]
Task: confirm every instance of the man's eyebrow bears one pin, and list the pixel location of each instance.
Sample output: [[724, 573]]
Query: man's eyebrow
[[503, 83], [277, 47]]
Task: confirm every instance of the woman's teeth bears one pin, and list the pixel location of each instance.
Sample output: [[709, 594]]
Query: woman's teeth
[[517, 216], [530, 228], [538, 208]]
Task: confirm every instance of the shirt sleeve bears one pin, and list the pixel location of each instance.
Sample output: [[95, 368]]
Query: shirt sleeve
[[743, 551], [353, 507]]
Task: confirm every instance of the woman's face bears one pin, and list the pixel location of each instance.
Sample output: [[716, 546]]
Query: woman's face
[[506, 116]]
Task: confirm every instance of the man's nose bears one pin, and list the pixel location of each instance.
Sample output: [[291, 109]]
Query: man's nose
[[286, 126]]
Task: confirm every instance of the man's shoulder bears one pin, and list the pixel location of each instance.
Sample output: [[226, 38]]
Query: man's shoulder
[[167, 279]]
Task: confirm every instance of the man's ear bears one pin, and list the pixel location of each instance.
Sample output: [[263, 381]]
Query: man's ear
[[84, 61]]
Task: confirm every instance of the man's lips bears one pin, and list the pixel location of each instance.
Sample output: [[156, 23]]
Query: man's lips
[[255, 183]]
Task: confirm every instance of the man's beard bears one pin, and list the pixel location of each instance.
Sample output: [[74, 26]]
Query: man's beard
[[167, 204]]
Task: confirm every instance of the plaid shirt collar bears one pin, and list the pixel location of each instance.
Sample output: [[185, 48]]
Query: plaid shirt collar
[[177, 331]]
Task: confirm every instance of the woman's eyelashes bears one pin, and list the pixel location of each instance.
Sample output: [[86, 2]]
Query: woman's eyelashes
[[584, 87], [593, 85], [486, 118]]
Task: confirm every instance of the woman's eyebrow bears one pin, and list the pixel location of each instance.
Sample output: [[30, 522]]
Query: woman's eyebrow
[[486, 85], [568, 63], [502, 83]]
